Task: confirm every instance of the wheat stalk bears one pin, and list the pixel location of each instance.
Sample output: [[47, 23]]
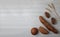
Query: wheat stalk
[[48, 9]]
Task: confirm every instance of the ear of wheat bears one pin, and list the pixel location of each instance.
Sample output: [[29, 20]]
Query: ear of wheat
[[52, 6]]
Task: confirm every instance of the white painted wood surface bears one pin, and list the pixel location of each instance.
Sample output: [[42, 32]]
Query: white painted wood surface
[[17, 17]]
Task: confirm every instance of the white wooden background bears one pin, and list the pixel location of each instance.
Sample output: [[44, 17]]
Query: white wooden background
[[17, 17]]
